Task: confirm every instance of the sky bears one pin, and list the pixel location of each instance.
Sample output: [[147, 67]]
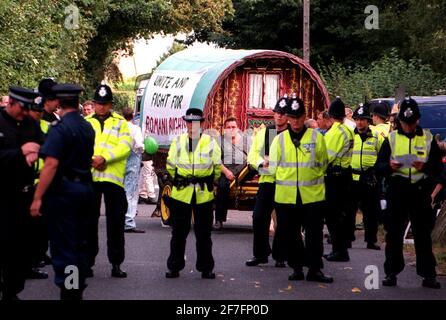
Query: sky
[[146, 53]]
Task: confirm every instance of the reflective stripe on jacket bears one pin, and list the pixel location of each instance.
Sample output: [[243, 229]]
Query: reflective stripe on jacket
[[204, 161], [300, 167], [113, 143]]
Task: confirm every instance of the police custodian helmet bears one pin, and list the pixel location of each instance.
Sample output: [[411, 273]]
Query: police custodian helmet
[[409, 111], [295, 107], [281, 105], [337, 108], [103, 94]]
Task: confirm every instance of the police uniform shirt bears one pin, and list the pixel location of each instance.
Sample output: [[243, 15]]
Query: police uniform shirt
[[14, 171], [71, 141]]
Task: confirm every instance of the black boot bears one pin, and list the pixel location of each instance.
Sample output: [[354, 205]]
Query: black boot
[[337, 256], [117, 272], [255, 261], [318, 276], [431, 283], [297, 275], [172, 274], [208, 275], [70, 295], [390, 281]]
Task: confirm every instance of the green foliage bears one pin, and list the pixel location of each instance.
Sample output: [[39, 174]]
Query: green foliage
[[122, 99], [35, 43], [380, 79], [416, 29]]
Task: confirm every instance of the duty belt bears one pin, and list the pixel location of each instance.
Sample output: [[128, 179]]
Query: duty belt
[[181, 182]]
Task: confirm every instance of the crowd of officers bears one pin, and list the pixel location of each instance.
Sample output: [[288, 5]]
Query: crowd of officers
[[55, 170], [54, 176], [310, 179]]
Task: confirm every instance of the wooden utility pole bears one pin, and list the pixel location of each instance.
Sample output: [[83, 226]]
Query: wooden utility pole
[[306, 31]]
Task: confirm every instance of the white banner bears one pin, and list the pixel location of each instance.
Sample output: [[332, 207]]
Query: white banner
[[166, 100]]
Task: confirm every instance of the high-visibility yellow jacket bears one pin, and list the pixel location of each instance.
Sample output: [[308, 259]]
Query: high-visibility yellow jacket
[[256, 156], [339, 142], [204, 161], [405, 151], [300, 167], [114, 143], [44, 126], [383, 129], [365, 152]]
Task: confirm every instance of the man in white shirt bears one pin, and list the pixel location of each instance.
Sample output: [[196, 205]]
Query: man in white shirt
[[348, 121], [132, 171]]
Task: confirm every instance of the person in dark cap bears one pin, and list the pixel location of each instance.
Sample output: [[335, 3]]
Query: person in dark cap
[[64, 193], [339, 141], [49, 100], [193, 162], [380, 111], [365, 190], [113, 144], [410, 160], [20, 139], [258, 158], [298, 160]]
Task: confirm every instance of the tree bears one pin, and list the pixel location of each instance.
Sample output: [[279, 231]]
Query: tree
[[37, 39]]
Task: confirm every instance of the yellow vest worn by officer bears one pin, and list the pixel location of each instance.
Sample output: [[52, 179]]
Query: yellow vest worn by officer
[[44, 126], [255, 156], [202, 162], [114, 143], [381, 109], [365, 152], [300, 167], [383, 129], [366, 145], [339, 142], [405, 151]]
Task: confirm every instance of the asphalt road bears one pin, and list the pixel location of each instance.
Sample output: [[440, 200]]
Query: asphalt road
[[145, 263]]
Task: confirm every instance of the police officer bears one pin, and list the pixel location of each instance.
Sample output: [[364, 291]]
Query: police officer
[[380, 111], [20, 140], [113, 143], [258, 158], [411, 160], [38, 226], [49, 100], [365, 184], [339, 142], [298, 161], [194, 162], [65, 190]]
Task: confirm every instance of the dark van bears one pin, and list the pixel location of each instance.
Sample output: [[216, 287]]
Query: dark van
[[433, 113]]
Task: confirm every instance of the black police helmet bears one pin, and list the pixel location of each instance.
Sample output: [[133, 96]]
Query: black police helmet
[[409, 111], [103, 94], [337, 108]]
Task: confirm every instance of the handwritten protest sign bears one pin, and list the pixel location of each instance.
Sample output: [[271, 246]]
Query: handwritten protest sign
[[166, 100]]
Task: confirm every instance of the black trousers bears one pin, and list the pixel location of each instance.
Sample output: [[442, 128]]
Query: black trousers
[[291, 220], [338, 195], [410, 202], [366, 199], [180, 217], [261, 220], [15, 239], [68, 210], [115, 209], [222, 199], [39, 232]]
